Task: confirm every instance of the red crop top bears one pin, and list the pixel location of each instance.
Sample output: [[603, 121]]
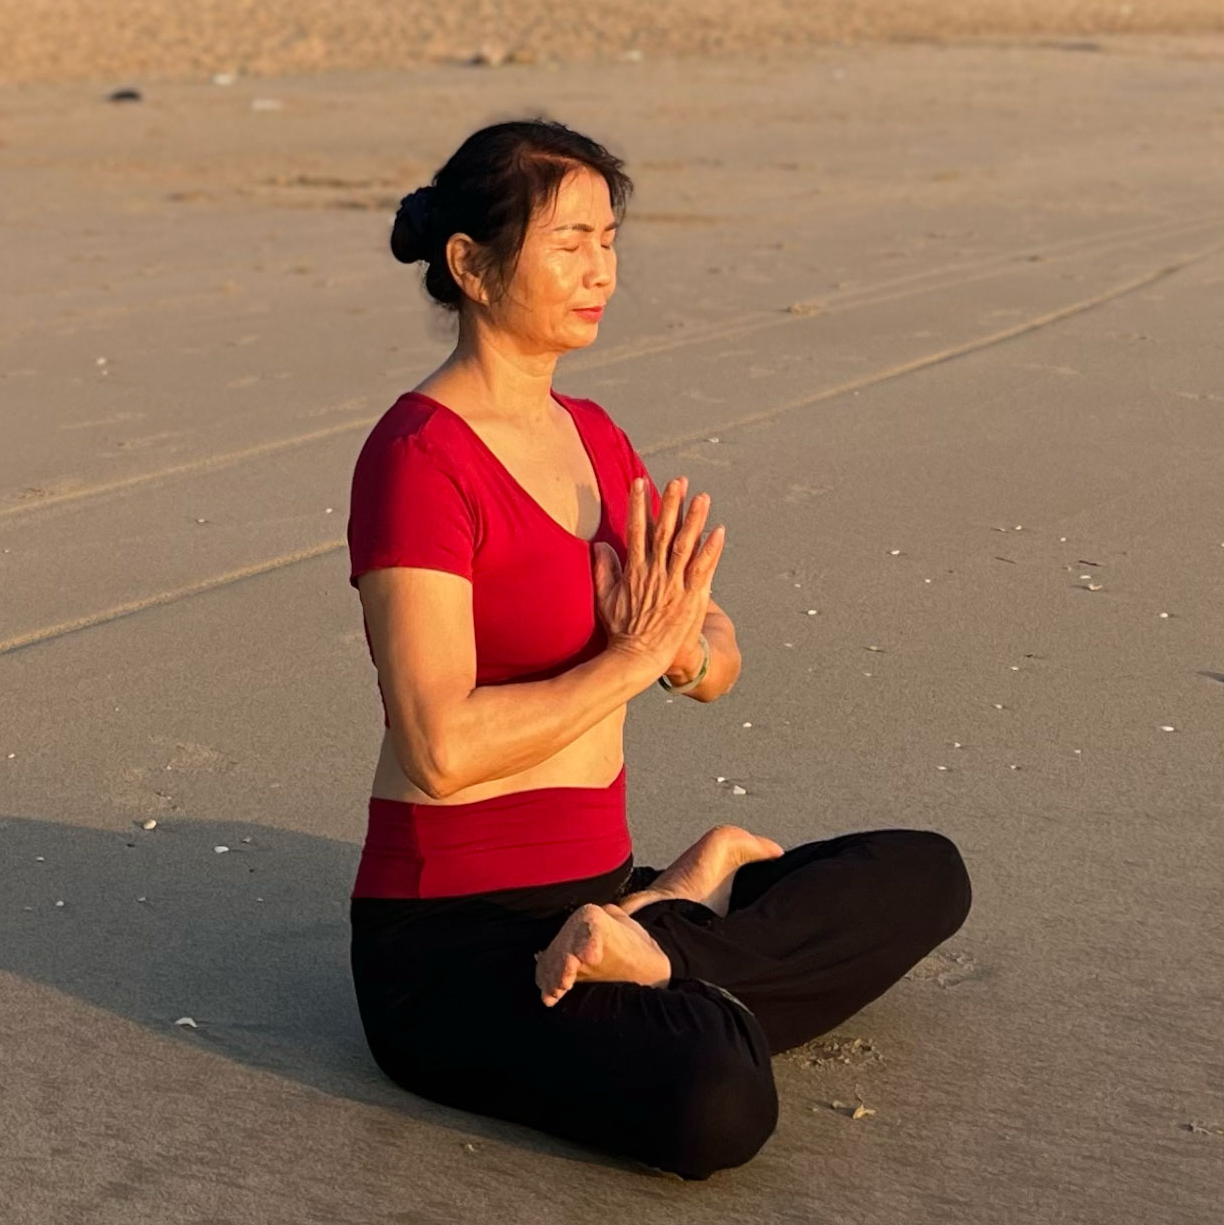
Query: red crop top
[[427, 491]]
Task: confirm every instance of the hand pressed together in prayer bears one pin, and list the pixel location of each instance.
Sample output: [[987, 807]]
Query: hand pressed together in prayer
[[657, 603]]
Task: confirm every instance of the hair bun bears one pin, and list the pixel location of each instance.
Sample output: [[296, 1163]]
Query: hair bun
[[411, 229]]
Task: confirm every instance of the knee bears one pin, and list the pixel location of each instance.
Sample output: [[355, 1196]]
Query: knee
[[723, 1109], [936, 861]]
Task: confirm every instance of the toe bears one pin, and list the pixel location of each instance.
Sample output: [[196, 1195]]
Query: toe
[[569, 972]]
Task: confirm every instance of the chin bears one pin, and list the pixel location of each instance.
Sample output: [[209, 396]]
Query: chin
[[582, 342]]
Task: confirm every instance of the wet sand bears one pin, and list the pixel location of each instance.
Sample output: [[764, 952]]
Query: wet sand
[[951, 313]]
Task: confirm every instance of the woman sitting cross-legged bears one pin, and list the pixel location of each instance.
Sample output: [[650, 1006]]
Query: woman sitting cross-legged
[[521, 579]]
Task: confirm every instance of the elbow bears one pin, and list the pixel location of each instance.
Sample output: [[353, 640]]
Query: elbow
[[440, 775], [433, 785], [733, 676], [424, 767], [439, 786]]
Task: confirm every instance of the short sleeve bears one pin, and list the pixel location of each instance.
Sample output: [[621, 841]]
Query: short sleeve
[[407, 509]]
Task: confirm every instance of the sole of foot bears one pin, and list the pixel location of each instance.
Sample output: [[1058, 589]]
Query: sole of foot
[[599, 944]]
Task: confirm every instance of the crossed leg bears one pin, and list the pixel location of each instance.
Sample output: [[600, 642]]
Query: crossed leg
[[605, 944]]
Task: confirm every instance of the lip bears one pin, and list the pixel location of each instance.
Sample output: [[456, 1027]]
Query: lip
[[592, 312]]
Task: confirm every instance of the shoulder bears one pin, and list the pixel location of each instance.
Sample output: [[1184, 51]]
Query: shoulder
[[598, 421], [415, 425]]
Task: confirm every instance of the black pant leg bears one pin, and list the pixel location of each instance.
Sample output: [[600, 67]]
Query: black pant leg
[[677, 1077], [815, 935]]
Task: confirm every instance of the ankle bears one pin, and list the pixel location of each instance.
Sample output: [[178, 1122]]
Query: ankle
[[635, 901]]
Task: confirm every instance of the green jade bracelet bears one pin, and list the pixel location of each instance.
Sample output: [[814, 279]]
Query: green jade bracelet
[[689, 685]]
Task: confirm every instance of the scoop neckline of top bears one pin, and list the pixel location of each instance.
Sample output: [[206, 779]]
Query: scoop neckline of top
[[484, 446]]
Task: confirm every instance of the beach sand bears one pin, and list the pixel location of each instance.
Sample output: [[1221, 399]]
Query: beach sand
[[937, 326], [59, 40]]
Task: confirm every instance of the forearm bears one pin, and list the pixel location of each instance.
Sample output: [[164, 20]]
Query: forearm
[[725, 660], [499, 730]]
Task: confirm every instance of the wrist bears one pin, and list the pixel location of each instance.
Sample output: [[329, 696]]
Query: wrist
[[691, 679], [641, 664], [683, 669]]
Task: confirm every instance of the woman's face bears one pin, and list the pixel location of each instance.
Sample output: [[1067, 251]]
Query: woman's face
[[568, 261]]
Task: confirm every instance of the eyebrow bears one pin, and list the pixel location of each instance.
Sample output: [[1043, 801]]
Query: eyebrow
[[581, 225]]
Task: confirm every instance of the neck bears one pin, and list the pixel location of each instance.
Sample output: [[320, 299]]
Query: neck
[[500, 380]]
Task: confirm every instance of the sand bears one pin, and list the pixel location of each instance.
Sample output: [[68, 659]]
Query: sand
[[62, 40], [952, 314]]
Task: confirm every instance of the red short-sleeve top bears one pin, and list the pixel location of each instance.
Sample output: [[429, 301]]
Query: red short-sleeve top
[[427, 491]]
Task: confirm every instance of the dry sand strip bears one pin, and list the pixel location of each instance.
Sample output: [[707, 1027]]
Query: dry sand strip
[[64, 40]]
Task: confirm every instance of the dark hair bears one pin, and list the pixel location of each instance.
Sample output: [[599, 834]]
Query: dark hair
[[490, 189]]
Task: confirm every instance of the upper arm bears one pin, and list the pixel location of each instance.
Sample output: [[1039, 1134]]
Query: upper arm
[[411, 538], [421, 635]]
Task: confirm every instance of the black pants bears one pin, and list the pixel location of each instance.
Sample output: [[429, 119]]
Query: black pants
[[677, 1077]]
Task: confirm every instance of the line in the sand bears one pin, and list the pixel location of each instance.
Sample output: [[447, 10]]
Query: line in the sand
[[867, 295], [166, 597], [32, 637], [943, 355]]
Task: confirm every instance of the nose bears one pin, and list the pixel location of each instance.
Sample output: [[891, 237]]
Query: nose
[[602, 269]]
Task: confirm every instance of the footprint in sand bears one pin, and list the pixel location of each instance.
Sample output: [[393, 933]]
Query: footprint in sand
[[701, 454], [186, 755], [132, 787], [801, 493], [153, 788], [832, 1052], [947, 968]]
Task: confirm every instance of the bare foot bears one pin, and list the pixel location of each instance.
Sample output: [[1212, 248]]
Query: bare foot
[[706, 871], [600, 944]]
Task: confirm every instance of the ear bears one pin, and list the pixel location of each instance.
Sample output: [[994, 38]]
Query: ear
[[460, 258]]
